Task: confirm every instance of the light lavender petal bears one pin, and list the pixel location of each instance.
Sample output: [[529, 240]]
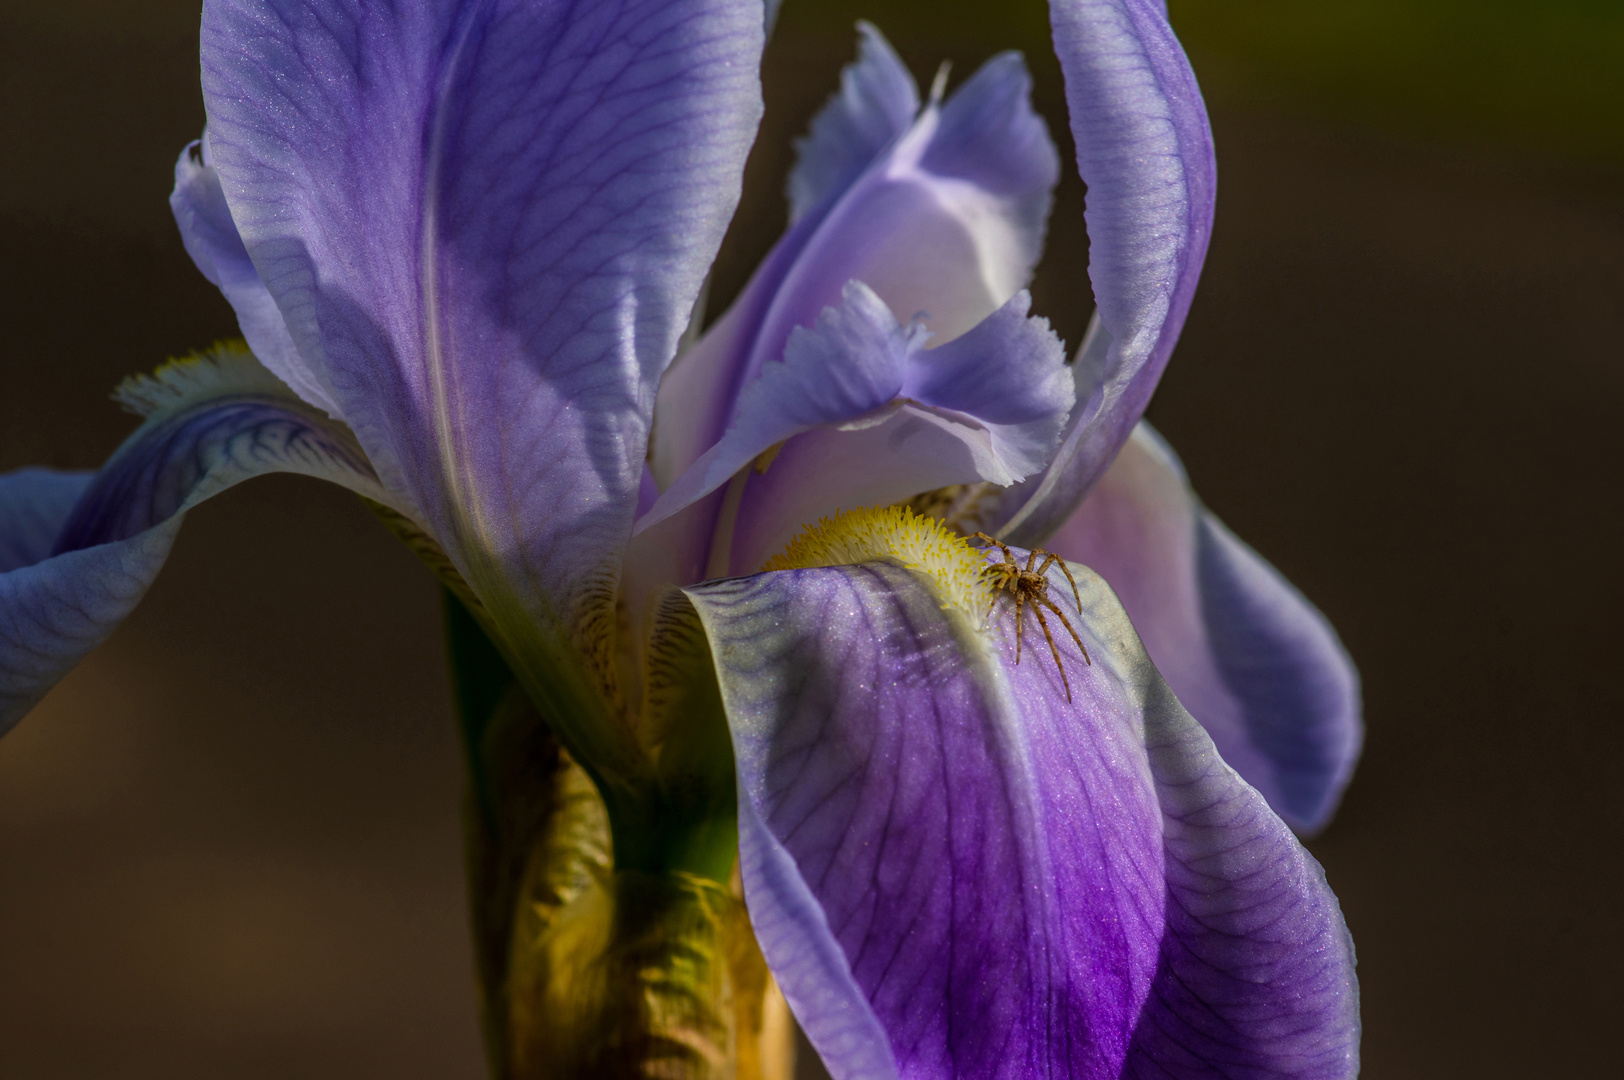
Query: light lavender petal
[[876, 103], [946, 223], [1006, 379]]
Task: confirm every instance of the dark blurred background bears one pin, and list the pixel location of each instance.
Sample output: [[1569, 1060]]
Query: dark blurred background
[[229, 841]]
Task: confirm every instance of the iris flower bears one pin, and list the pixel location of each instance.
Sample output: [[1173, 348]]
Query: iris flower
[[727, 574]]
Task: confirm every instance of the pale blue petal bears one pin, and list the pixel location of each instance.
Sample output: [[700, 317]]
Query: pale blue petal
[[876, 103], [212, 424], [487, 223], [1245, 652], [1144, 149], [937, 846], [211, 240]]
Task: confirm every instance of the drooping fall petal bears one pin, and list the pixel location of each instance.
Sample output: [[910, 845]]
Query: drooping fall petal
[[1144, 148], [1251, 659], [71, 573], [955, 873], [485, 225]]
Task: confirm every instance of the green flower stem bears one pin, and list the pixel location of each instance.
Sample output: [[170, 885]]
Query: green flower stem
[[608, 942]]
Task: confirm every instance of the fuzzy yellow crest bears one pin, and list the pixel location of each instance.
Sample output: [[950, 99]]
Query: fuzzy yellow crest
[[922, 544], [225, 367]]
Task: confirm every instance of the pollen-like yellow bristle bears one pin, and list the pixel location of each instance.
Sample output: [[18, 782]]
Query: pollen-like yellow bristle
[[896, 533], [227, 365]]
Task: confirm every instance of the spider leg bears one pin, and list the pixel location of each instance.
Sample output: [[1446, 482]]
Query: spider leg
[[1065, 570], [1067, 624], [1008, 555], [1020, 599], [1038, 611], [997, 592], [1031, 559]]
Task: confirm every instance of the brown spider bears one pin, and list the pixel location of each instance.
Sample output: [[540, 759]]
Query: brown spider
[[1032, 586]]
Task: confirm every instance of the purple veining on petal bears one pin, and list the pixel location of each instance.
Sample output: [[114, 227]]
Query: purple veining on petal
[[53, 612], [183, 459], [1253, 660], [697, 395], [488, 222], [70, 575], [1144, 148], [1018, 887]]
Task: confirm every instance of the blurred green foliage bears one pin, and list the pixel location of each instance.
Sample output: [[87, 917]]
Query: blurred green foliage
[[1539, 74], [1546, 74]]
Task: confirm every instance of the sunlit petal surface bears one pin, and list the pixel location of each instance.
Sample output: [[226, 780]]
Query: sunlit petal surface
[[486, 224]]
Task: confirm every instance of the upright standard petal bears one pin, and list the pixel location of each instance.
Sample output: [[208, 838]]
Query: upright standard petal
[[941, 214], [487, 223], [1144, 149], [211, 238], [1254, 661], [211, 423], [954, 873], [877, 102]]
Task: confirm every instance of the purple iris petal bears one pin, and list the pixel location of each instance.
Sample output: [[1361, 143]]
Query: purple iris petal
[[988, 405], [877, 101], [487, 223], [1244, 651], [944, 218], [33, 505], [212, 241], [54, 611], [936, 846], [70, 573], [994, 402], [1144, 149]]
